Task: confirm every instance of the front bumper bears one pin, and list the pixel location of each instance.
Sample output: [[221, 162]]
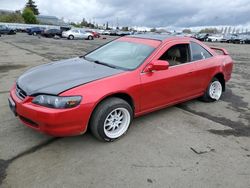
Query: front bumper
[[64, 35], [55, 122]]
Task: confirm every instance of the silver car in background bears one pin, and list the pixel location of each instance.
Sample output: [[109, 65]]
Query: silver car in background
[[77, 34]]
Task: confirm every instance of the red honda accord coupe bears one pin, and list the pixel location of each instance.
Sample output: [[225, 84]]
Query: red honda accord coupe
[[128, 77]]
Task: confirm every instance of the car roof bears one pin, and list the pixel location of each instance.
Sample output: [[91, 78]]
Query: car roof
[[152, 36], [158, 37]]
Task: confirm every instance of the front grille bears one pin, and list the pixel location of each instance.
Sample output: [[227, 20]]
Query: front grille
[[20, 93]]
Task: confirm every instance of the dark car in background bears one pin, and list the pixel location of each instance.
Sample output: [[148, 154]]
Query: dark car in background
[[123, 33], [202, 36], [35, 30], [50, 33], [247, 40], [65, 28], [6, 30], [240, 39], [228, 38], [119, 33]]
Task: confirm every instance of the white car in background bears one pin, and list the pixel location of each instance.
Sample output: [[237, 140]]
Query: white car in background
[[106, 32], [77, 34], [215, 38]]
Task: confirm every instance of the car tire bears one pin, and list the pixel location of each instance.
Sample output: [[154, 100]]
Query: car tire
[[213, 91], [111, 119], [90, 37], [71, 37]]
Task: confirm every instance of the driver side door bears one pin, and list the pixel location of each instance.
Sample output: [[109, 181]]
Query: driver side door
[[166, 87]]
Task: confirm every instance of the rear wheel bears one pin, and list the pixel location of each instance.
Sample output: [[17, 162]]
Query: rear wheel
[[111, 119], [90, 37], [213, 92]]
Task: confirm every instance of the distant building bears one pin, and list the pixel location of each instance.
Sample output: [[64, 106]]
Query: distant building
[[50, 20]]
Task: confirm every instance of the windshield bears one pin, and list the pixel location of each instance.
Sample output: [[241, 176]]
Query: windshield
[[121, 54]]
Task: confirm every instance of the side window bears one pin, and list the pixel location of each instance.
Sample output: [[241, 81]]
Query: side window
[[198, 52], [177, 54]]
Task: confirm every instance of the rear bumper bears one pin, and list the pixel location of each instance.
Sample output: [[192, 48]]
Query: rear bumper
[[55, 122]]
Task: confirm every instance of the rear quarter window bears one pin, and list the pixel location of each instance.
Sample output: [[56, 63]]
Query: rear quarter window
[[198, 52]]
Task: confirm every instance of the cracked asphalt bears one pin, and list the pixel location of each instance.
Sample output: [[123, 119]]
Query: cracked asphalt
[[193, 144]]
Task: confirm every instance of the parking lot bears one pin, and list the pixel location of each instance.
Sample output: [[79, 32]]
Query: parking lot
[[194, 144]]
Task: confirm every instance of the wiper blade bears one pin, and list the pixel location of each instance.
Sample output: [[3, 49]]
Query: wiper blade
[[106, 64], [100, 63]]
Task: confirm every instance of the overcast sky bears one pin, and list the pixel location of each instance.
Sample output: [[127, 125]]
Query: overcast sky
[[149, 13]]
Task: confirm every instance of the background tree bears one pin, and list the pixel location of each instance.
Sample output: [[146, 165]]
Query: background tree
[[153, 30], [162, 31], [209, 30], [187, 31], [76, 24], [84, 23], [131, 29], [107, 25], [31, 5], [29, 16], [125, 29], [15, 17]]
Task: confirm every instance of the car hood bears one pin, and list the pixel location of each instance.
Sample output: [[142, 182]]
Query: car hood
[[57, 77]]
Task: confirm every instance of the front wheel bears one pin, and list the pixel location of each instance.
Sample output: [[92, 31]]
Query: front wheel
[[111, 119], [213, 92], [71, 37]]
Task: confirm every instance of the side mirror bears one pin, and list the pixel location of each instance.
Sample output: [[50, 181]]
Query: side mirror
[[157, 65]]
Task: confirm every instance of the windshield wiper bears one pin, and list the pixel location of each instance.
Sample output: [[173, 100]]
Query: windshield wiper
[[100, 63], [106, 64]]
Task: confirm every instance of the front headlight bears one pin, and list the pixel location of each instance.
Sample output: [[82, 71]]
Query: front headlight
[[56, 101]]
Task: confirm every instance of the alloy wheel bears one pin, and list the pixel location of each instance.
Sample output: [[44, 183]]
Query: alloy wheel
[[215, 90], [117, 122]]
